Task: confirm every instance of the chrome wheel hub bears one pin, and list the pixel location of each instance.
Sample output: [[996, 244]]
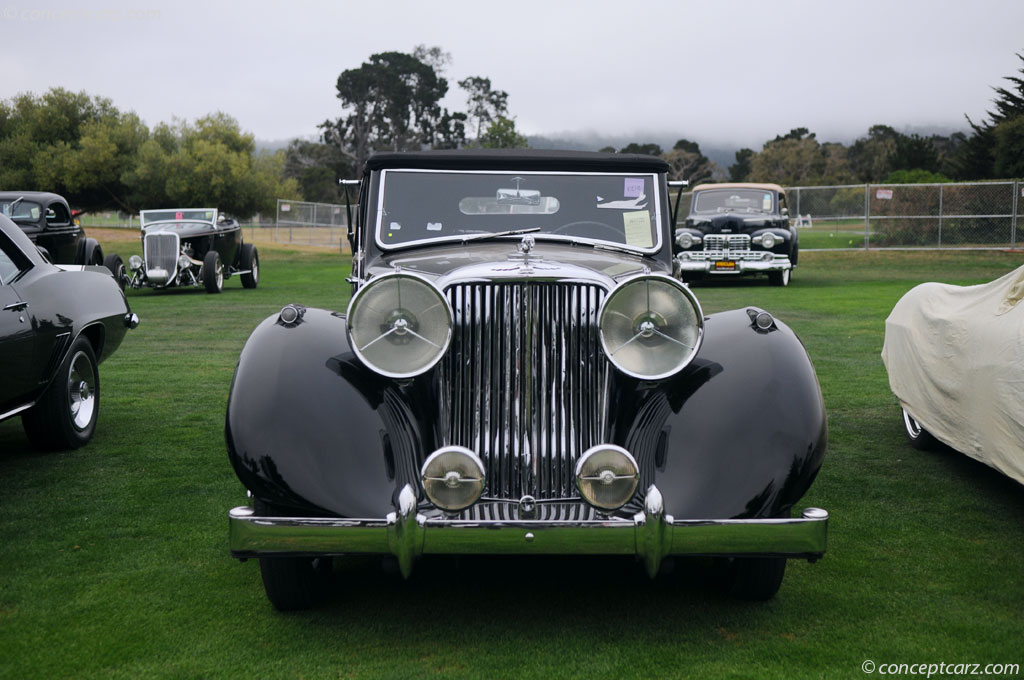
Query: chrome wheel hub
[[81, 391]]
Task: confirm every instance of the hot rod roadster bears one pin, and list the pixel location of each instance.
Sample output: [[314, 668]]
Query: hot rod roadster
[[519, 373], [190, 247]]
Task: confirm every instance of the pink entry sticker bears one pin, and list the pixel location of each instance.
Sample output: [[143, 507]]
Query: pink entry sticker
[[634, 187], [179, 216]]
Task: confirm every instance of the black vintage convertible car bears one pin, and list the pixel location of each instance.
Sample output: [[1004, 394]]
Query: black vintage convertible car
[[736, 229], [518, 372], [190, 247], [57, 323], [46, 219]]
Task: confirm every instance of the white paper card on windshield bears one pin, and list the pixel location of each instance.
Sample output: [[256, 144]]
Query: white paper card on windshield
[[638, 228], [433, 226]]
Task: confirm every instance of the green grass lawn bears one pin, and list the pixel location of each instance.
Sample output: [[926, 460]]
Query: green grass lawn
[[114, 559], [824, 235]]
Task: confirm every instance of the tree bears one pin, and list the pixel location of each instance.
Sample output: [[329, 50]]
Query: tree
[[390, 102], [316, 167], [976, 157], [485, 104], [501, 134], [648, 149], [871, 157], [740, 170], [1009, 148], [209, 163], [686, 162], [79, 146], [798, 159]]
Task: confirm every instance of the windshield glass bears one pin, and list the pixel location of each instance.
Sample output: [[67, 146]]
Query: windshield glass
[[148, 216], [733, 200], [20, 211], [418, 206]]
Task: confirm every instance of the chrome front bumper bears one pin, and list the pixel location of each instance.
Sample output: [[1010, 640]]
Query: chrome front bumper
[[651, 534], [780, 263]]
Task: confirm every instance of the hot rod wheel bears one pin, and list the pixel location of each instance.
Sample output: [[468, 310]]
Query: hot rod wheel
[[213, 272]]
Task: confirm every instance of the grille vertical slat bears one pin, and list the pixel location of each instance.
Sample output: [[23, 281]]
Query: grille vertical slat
[[527, 380]]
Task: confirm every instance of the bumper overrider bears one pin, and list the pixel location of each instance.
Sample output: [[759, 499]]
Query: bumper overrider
[[650, 534], [737, 263]]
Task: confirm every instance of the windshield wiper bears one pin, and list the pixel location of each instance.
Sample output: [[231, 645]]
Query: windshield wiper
[[499, 234]]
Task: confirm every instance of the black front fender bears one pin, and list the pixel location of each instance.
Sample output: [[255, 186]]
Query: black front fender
[[307, 425], [740, 433]]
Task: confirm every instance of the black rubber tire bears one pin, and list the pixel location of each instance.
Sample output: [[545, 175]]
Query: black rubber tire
[[250, 260], [920, 438], [753, 578], [780, 278], [213, 272], [65, 416], [293, 583], [115, 264]]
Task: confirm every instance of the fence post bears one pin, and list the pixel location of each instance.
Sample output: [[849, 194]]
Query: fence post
[[1013, 220], [940, 215], [867, 215]]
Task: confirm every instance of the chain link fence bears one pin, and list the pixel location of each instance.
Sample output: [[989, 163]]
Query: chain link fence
[[951, 215], [315, 224], [954, 215]]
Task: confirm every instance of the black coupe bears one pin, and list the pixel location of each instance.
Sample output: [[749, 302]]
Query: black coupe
[[57, 323]]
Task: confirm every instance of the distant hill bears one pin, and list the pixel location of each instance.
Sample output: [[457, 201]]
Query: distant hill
[[723, 155]]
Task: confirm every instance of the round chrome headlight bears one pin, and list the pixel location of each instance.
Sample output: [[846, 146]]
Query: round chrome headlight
[[399, 325], [135, 263], [651, 326], [453, 477], [184, 262], [684, 240], [607, 476], [768, 240]]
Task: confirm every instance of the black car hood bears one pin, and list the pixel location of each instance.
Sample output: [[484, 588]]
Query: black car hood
[[504, 257]]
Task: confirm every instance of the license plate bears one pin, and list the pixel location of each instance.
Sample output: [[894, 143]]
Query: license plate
[[725, 265]]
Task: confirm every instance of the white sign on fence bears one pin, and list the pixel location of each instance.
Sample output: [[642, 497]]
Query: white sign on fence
[[884, 194]]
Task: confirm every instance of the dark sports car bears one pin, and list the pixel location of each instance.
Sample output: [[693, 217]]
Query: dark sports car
[[735, 229], [57, 323], [519, 373], [190, 247], [46, 219]]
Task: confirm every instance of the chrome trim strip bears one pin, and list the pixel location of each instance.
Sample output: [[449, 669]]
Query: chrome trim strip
[[16, 411], [651, 534]]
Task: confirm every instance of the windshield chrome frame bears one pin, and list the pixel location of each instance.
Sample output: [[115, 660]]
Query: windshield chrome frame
[[212, 222], [382, 184]]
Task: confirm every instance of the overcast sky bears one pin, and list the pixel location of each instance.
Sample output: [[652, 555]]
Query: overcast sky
[[721, 72]]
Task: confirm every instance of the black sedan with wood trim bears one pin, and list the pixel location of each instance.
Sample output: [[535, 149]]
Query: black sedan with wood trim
[[518, 372], [57, 323]]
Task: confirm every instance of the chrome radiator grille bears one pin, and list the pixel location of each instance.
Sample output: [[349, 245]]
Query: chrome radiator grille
[[730, 241], [528, 382], [161, 252]]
